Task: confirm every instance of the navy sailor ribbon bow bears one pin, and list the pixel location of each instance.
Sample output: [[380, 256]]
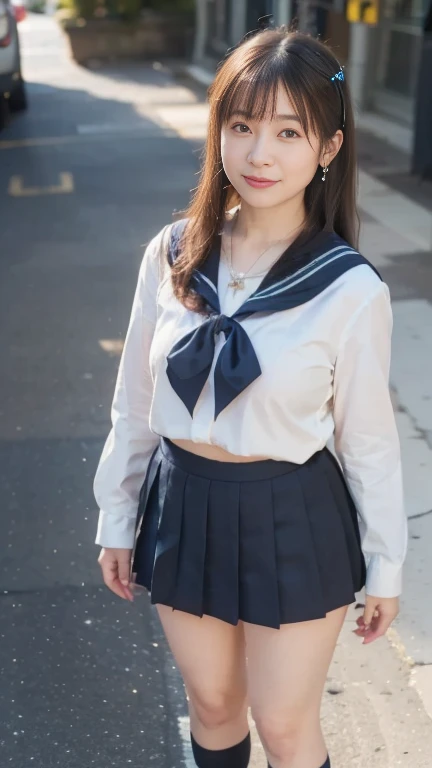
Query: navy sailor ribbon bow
[[190, 361]]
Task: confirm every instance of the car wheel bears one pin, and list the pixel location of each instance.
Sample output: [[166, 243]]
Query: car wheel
[[4, 112], [18, 98]]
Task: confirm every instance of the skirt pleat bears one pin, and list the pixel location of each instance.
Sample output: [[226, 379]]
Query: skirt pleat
[[259, 588], [221, 581], [169, 510], [349, 522], [264, 542], [331, 554], [147, 524], [301, 595], [189, 578]]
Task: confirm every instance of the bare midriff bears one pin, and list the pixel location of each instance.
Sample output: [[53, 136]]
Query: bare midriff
[[214, 452]]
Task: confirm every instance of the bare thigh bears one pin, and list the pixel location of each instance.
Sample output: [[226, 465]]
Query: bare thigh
[[210, 655], [287, 670]]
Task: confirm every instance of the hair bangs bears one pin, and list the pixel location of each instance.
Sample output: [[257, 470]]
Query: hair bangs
[[253, 93]]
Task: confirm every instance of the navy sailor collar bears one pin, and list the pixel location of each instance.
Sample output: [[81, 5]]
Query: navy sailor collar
[[325, 258]]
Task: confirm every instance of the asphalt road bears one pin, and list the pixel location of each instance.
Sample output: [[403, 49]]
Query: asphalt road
[[86, 178]]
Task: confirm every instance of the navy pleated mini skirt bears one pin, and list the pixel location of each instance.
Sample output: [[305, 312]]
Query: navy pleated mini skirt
[[266, 542]]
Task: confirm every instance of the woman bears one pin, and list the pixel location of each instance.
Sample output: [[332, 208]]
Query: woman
[[257, 333]]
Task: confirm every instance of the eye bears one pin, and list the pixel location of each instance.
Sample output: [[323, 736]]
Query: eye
[[291, 131], [238, 128]]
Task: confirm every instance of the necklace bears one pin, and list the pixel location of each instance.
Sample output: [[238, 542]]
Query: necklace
[[237, 282]]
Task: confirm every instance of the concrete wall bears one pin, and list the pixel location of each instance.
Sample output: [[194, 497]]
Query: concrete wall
[[153, 35]]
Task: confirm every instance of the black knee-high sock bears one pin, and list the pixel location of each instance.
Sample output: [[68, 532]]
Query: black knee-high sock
[[233, 757], [326, 764]]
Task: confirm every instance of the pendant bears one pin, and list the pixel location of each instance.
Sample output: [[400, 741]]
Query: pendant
[[237, 284]]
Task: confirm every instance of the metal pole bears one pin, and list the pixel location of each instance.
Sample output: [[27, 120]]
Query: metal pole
[[303, 15], [283, 12], [238, 21], [422, 152], [359, 46], [200, 31]]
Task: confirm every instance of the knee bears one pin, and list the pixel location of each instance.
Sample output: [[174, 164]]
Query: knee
[[281, 739], [216, 708]]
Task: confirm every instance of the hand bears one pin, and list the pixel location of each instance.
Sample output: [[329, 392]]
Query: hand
[[377, 616], [115, 564]]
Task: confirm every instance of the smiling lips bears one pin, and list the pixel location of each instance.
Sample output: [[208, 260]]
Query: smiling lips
[[259, 183]]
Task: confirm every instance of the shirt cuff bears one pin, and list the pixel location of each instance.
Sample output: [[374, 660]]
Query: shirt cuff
[[384, 577], [115, 531]]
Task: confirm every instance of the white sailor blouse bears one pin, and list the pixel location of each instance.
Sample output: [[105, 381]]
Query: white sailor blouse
[[276, 371]]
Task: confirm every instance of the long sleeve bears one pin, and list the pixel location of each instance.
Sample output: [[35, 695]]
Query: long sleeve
[[130, 443], [367, 442]]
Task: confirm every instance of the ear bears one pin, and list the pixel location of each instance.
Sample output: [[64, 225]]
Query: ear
[[331, 149]]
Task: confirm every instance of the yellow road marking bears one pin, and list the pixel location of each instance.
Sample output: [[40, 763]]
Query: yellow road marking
[[112, 346], [55, 141], [48, 141], [65, 187]]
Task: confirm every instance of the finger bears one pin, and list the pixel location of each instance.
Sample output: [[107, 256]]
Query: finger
[[124, 573], [368, 613], [126, 592], [110, 577], [362, 627], [117, 588], [378, 629]]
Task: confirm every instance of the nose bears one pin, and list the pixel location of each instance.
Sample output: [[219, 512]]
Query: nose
[[260, 153]]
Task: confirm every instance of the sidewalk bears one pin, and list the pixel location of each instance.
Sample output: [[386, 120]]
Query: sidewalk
[[391, 165], [372, 715]]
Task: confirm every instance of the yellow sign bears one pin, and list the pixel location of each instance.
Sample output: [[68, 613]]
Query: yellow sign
[[362, 10]]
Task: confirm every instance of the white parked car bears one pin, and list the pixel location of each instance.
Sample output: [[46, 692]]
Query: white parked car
[[12, 88]]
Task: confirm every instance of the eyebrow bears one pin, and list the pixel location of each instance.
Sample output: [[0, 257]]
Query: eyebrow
[[243, 113]]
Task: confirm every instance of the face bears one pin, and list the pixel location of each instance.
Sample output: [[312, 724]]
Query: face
[[276, 150]]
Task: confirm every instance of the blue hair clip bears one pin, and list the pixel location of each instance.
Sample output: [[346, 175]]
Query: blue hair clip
[[337, 79], [339, 75]]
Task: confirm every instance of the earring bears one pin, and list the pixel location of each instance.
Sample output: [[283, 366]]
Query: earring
[[325, 171]]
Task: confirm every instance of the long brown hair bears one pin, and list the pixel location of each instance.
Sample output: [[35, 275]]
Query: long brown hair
[[249, 80]]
